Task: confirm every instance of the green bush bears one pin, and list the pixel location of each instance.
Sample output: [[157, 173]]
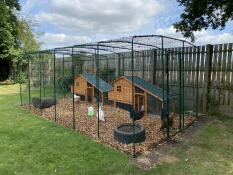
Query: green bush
[[21, 78], [107, 74], [64, 83]]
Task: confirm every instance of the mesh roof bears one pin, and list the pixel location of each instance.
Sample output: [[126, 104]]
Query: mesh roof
[[151, 88], [136, 43], [103, 86]]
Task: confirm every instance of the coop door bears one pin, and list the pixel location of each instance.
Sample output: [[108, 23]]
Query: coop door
[[139, 102], [90, 94]]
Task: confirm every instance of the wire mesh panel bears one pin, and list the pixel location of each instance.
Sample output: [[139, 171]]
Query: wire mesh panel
[[62, 85], [23, 79]]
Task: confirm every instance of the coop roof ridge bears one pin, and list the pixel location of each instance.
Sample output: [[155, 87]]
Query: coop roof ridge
[[151, 88], [91, 78]]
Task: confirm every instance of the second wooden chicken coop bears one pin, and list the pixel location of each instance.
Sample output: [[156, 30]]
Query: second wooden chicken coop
[[147, 96]]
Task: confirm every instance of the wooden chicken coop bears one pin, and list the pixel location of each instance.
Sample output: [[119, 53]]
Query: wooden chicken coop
[[147, 96], [86, 85]]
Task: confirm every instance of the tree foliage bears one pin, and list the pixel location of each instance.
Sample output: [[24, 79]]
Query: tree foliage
[[8, 28], [202, 14], [16, 35], [27, 39]]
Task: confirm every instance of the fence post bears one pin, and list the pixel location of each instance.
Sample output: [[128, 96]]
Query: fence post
[[143, 65], [154, 65], [207, 77], [118, 65]]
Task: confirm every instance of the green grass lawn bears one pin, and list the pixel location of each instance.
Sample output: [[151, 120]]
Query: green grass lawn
[[31, 146]]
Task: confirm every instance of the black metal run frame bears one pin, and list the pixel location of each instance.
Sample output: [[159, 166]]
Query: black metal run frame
[[166, 47]]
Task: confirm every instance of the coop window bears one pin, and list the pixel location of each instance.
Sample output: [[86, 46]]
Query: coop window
[[77, 83], [118, 88]]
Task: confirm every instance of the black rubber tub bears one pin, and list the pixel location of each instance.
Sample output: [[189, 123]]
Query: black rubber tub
[[124, 133], [44, 102]]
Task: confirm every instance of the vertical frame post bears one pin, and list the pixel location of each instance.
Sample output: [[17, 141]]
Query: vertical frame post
[[40, 80], [29, 82], [73, 107], [180, 92], [98, 92], [20, 85], [63, 71], [54, 84], [167, 94], [163, 74], [143, 64], [132, 70], [43, 79], [183, 85]]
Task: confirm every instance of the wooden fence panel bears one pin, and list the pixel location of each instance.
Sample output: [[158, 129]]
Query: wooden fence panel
[[148, 65]]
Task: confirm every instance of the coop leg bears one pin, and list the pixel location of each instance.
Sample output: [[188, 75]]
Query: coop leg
[[86, 100]]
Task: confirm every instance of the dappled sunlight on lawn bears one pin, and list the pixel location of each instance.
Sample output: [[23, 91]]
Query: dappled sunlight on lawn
[[10, 89]]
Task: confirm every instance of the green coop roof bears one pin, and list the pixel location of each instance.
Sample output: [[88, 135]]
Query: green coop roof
[[92, 79], [149, 87]]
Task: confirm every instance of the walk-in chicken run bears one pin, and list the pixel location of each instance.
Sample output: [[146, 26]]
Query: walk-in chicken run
[[129, 94]]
